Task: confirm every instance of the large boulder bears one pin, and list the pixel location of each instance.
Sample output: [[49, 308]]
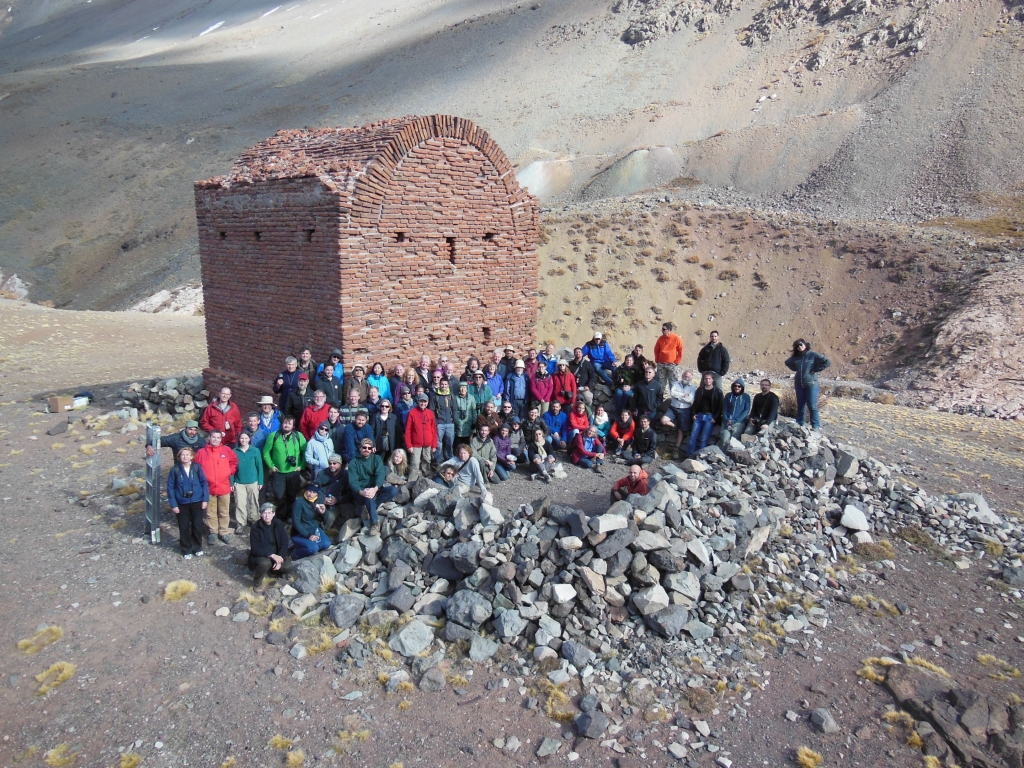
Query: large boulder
[[469, 608], [346, 609]]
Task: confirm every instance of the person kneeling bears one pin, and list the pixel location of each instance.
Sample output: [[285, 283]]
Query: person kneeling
[[467, 470], [587, 450], [634, 482], [308, 535], [268, 547], [366, 475]]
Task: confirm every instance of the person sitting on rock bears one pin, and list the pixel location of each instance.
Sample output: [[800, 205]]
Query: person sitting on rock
[[600, 353], [557, 422], [648, 395], [300, 398], [319, 448], [677, 415], [586, 376], [625, 378], [189, 437], [540, 462], [367, 479], [379, 379], [578, 421], [764, 411], [223, 416], [397, 466], [446, 476], [357, 383], [706, 411], [603, 423], [329, 385], [588, 450], [532, 423], [517, 440], [269, 548], [333, 483], [505, 412], [468, 473], [486, 453], [645, 441], [347, 412], [735, 410], [620, 435], [308, 537], [634, 482], [354, 434]]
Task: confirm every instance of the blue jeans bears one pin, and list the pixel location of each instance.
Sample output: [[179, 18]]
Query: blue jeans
[[385, 494], [304, 547], [807, 396], [555, 442], [586, 462], [445, 441], [500, 471], [702, 426], [606, 377]]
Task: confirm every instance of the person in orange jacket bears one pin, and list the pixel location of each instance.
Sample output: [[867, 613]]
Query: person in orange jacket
[[634, 482], [219, 464], [223, 416], [668, 354]]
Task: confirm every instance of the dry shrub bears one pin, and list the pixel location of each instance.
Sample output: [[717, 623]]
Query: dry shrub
[[787, 402], [130, 760], [693, 258], [631, 285], [178, 589], [700, 700], [728, 274], [860, 360], [808, 758], [59, 756], [56, 675], [44, 637], [708, 265], [884, 398]]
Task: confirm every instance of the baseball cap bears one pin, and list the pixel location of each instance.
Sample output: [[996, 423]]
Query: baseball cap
[[422, 399], [191, 423], [598, 335], [303, 376]]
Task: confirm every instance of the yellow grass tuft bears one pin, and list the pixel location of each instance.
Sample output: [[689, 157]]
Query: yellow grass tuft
[[384, 652], [406, 687], [383, 678], [915, 741], [30, 752], [808, 758], [258, 604], [870, 674], [930, 761], [899, 717], [56, 675], [59, 756], [229, 763], [917, 661], [457, 680], [327, 584], [987, 658], [295, 758], [277, 741], [404, 705], [278, 625], [321, 644], [557, 705], [396, 765], [994, 548], [58, 446], [130, 760], [44, 637], [89, 449], [178, 589]]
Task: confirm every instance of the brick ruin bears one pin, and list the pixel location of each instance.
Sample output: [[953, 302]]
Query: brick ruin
[[404, 237]]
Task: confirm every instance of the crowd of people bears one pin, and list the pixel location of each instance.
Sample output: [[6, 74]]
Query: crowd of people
[[335, 444]]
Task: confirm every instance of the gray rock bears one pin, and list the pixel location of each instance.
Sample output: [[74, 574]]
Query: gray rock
[[823, 721], [346, 609], [698, 630], [577, 654], [509, 624], [615, 542], [433, 680], [983, 514], [592, 725], [648, 541], [455, 633], [396, 548], [669, 622], [548, 747], [482, 649], [299, 651], [465, 556], [471, 609], [1013, 576], [741, 582], [399, 572], [854, 519], [402, 599], [650, 600], [412, 639], [685, 584]]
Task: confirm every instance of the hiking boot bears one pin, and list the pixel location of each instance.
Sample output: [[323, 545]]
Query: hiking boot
[[375, 529], [241, 530], [224, 539]]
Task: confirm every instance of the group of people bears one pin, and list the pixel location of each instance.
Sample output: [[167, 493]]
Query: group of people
[[332, 442]]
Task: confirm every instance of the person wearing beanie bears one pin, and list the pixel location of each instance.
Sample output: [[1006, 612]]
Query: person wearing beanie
[[735, 410]]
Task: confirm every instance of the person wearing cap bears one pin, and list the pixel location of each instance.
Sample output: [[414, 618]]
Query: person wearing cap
[[586, 376], [333, 484], [479, 390], [442, 403], [542, 387], [223, 415], [366, 476], [314, 415], [347, 412], [600, 353], [330, 386], [246, 483], [357, 382], [307, 364], [378, 378], [319, 448], [219, 464], [270, 421], [300, 398], [188, 437], [465, 414], [405, 404], [308, 536], [284, 456], [668, 355], [517, 388], [507, 364], [339, 371], [563, 385], [420, 437], [354, 434], [269, 547], [287, 381]]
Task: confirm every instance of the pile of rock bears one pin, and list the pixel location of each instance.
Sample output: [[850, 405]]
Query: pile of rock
[[730, 551], [174, 396]]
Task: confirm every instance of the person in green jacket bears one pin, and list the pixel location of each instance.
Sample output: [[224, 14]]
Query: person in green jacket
[[366, 473], [465, 414], [284, 455], [480, 391], [246, 483]]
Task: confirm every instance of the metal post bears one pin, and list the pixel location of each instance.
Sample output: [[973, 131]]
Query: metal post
[[153, 484]]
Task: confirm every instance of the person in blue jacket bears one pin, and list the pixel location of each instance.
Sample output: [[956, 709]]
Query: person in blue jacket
[[556, 421], [735, 411], [600, 354], [807, 365], [188, 493], [308, 536], [354, 434]]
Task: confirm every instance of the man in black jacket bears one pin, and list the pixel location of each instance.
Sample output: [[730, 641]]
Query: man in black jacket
[[268, 547], [648, 395], [189, 437], [705, 412], [714, 357], [333, 481], [645, 441], [764, 410], [300, 398], [330, 386], [586, 375]]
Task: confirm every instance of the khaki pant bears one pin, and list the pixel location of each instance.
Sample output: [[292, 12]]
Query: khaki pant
[[218, 514], [247, 503], [667, 373], [419, 462]]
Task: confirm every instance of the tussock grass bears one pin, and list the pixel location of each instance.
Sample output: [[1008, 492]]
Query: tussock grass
[[295, 758], [59, 756], [404, 705], [808, 758], [57, 674], [277, 741], [915, 741], [875, 550], [1008, 670], [258, 604], [229, 763], [44, 637], [557, 705], [90, 449], [917, 661], [130, 760], [406, 687], [327, 584], [178, 589]]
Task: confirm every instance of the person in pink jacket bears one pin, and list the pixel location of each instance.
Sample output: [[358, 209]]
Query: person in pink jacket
[[219, 463], [542, 386]]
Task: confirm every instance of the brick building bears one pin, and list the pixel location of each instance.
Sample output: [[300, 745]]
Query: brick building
[[394, 239]]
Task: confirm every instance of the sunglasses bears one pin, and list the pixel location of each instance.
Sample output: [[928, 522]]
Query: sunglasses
[[365, 448], [385, 407]]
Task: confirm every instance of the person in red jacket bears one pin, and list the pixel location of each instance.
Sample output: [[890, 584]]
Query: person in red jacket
[[420, 438], [588, 450], [563, 385], [634, 482], [223, 416], [579, 420], [315, 414], [621, 434], [219, 463]]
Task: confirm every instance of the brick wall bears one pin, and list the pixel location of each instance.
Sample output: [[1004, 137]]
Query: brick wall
[[396, 239]]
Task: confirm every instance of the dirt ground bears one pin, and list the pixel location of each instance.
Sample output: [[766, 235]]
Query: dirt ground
[[177, 685]]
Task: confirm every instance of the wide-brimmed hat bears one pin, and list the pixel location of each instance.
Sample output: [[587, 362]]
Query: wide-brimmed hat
[[265, 400]]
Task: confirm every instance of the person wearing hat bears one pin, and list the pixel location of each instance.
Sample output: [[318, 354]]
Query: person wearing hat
[[219, 463], [301, 398], [308, 536], [563, 385], [600, 353], [339, 371], [507, 364], [269, 547], [420, 437], [270, 421], [333, 484], [517, 440], [284, 456], [330, 386], [354, 435], [224, 416], [319, 448], [366, 475], [480, 390], [189, 437], [357, 383], [465, 414], [517, 388], [314, 415], [287, 381]]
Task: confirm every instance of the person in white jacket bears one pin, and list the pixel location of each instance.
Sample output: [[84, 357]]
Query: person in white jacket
[[677, 415], [319, 448]]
